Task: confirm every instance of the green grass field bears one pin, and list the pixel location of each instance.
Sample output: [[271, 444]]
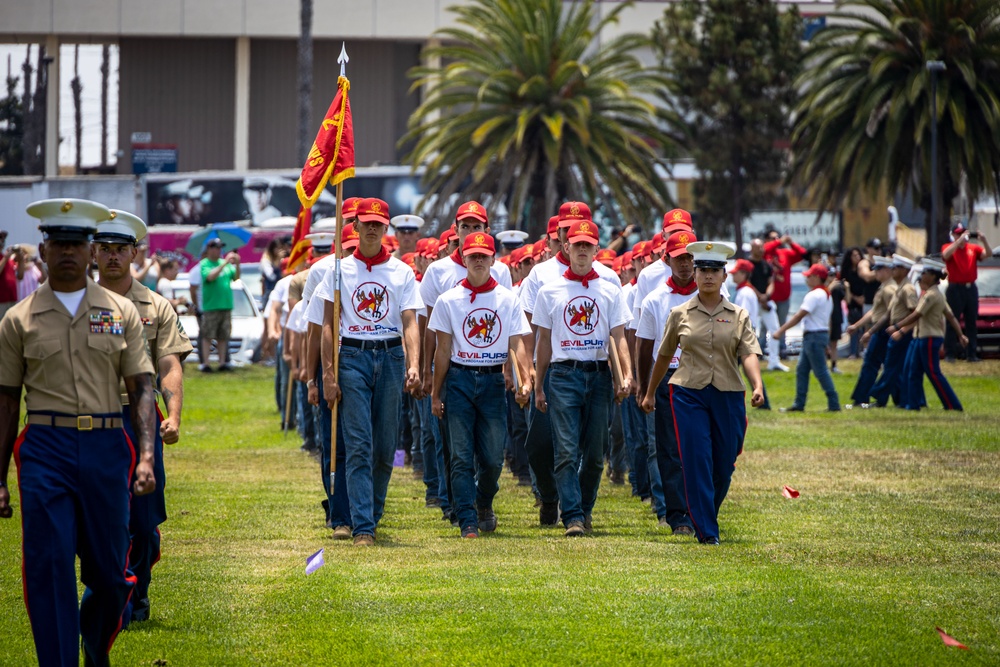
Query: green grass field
[[897, 531]]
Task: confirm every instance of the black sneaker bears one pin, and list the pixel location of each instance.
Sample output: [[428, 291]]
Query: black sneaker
[[711, 541], [205, 368], [575, 529], [470, 532], [487, 520], [792, 409], [686, 531], [225, 368], [588, 523], [140, 612], [548, 514]]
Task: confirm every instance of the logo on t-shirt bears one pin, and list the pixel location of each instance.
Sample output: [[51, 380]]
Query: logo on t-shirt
[[482, 327], [371, 302], [581, 315]]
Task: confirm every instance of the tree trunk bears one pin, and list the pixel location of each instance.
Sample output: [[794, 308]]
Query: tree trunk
[[39, 110], [77, 87], [29, 142], [105, 71], [305, 75]]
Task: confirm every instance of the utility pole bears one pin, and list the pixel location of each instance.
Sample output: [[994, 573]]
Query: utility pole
[[77, 87], [305, 76], [933, 241], [105, 71]]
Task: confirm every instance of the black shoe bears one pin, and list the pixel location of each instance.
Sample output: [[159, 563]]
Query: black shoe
[[140, 611], [792, 409], [548, 514], [487, 520], [433, 502], [686, 531], [225, 368], [712, 541], [470, 532], [973, 360], [524, 480], [618, 478], [205, 368]]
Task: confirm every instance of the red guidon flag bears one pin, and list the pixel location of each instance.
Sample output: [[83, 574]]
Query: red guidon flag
[[300, 244], [331, 158]]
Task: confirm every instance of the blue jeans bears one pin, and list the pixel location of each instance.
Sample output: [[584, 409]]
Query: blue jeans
[[652, 469], [813, 358], [616, 435], [539, 445], [911, 395], [874, 355], [430, 450], [281, 373], [579, 402], [633, 421], [370, 383], [338, 504], [305, 416], [477, 424]]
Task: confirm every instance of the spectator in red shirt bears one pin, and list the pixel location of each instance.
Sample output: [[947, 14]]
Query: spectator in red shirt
[[783, 253], [8, 275], [961, 258]]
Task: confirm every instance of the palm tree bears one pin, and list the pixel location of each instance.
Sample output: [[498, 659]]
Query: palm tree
[[532, 105], [864, 121]]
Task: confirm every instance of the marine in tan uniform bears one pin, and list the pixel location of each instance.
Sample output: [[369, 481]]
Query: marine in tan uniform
[[707, 394], [69, 345], [904, 300], [114, 250]]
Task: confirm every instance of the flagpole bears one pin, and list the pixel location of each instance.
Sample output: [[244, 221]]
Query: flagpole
[[338, 248]]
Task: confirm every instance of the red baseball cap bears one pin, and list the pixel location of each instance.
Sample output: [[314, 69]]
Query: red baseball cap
[[472, 209], [677, 216], [447, 235], [349, 238], [390, 242], [553, 230], [637, 248], [572, 211], [373, 210], [431, 248], [742, 265], [647, 248], [616, 265], [627, 257], [516, 255], [349, 209], [675, 227], [479, 243], [657, 242], [606, 256], [540, 247], [678, 242], [817, 270], [583, 231], [407, 258]]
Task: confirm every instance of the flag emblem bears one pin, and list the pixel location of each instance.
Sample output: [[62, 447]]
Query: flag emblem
[[371, 302], [581, 315], [482, 327]]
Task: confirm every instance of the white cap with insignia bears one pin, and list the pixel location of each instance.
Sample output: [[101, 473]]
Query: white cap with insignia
[[177, 189], [932, 264], [512, 238], [901, 262], [322, 239], [68, 219], [711, 254], [120, 227], [882, 262], [407, 222]]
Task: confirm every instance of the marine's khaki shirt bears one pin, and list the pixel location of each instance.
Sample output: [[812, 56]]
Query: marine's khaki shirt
[[163, 331], [931, 307], [712, 344], [883, 297], [72, 364], [903, 302], [297, 284]]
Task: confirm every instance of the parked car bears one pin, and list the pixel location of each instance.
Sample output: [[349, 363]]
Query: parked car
[[247, 328], [988, 323]]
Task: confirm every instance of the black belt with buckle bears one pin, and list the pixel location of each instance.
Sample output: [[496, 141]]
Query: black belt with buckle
[[377, 344], [484, 370], [586, 366]]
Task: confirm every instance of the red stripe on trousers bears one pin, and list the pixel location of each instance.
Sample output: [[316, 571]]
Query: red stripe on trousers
[[934, 378], [128, 554]]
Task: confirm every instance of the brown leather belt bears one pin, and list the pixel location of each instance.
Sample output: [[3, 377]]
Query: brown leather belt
[[82, 423]]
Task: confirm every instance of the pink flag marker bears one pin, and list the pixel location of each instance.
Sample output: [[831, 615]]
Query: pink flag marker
[[951, 641], [314, 562], [789, 492]]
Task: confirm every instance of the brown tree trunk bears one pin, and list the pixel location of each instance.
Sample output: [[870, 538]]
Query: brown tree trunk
[[305, 76], [77, 87]]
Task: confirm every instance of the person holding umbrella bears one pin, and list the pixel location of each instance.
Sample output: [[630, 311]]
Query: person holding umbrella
[[216, 302]]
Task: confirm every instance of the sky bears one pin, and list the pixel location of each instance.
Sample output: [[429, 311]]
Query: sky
[[90, 96]]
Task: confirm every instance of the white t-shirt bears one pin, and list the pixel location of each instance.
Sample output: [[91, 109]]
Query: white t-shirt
[[317, 274], [297, 318], [651, 277], [194, 279], [371, 302], [29, 283], [481, 329], [819, 305], [280, 295], [746, 298], [71, 300], [551, 270], [164, 288], [445, 273], [580, 318], [655, 310]]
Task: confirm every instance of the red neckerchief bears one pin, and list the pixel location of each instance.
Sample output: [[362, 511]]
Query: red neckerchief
[[593, 275], [562, 259], [742, 285], [485, 287], [381, 258], [687, 290], [633, 281], [457, 258]]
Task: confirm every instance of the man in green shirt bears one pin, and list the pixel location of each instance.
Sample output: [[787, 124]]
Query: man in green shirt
[[217, 303]]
